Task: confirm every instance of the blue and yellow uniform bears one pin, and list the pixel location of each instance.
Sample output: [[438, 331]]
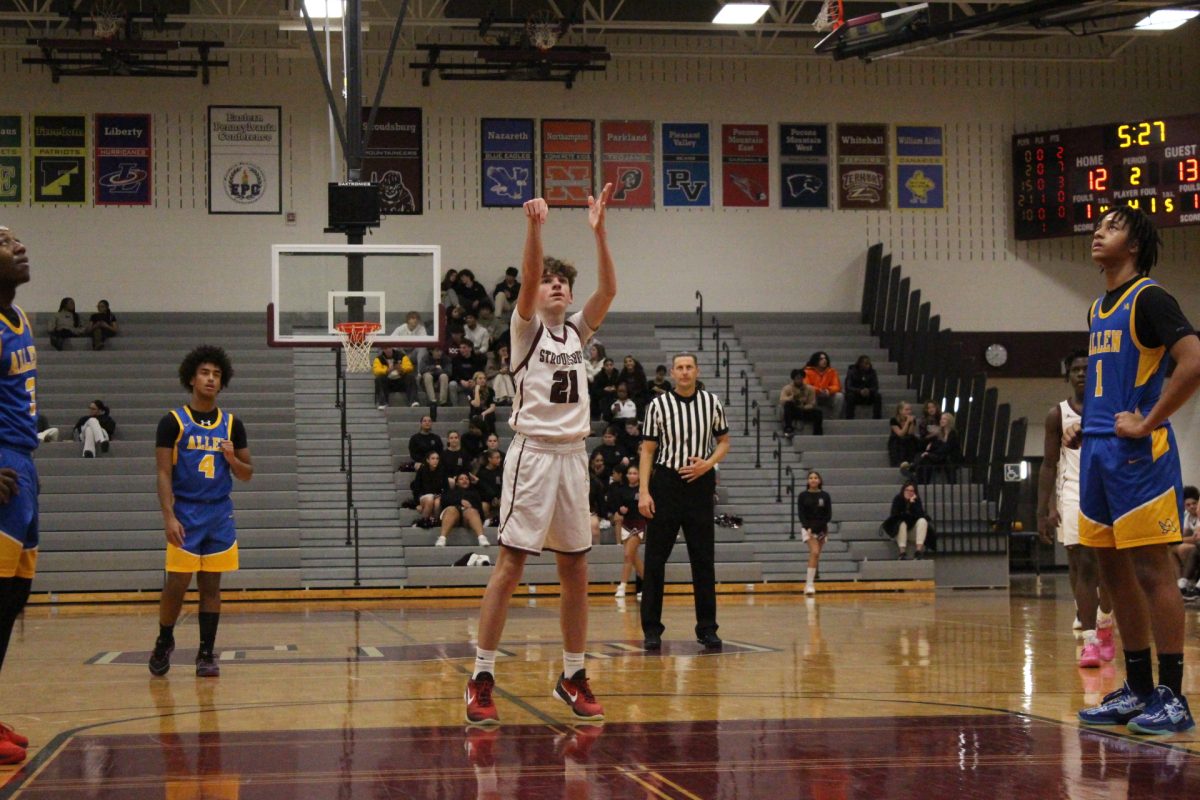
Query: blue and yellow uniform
[[18, 440], [201, 481], [1130, 489]]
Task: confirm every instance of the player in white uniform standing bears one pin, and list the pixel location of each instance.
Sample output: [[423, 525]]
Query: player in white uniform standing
[[544, 502], [1058, 509]]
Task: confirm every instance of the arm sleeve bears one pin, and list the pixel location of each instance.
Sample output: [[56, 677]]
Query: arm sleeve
[[802, 509], [1159, 321], [168, 431], [239, 434], [720, 426]]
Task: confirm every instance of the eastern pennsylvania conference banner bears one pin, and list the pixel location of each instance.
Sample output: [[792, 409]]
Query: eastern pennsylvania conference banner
[[627, 162], [687, 179], [745, 165], [59, 158], [12, 159], [506, 158], [395, 159], [862, 167], [568, 162], [245, 160], [123, 153], [920, 166]]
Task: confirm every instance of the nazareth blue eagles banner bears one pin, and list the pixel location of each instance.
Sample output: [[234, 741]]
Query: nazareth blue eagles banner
[[506, 159], [123, 158], [804, 165], [687, 177]]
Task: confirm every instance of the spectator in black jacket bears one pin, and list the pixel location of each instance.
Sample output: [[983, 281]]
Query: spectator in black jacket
[[862, 388], [814, 509], [427, 487], [462, 371], [504, 296], [95, 429], [604, 388], [473, 441], [435, 372], [471, 296], [612, 452], [462, 505], [489, 480], [454, 458], [629, 440], [908, 514], [102, 326], [597, 490], [942, 452], [424, 441], [903, 444]]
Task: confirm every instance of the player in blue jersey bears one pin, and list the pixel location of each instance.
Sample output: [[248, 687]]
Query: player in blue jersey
[[18, 476], [199, 449], [1130, 487]]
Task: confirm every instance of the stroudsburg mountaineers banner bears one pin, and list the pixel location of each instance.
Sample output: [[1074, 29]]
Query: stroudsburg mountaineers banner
[[245, 160], [12, 159], [568, 156], [627, 162], [395, 159], [123, 176], [59, 158]]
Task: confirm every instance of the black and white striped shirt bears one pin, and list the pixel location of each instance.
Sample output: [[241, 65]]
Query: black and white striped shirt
[[684, 427]]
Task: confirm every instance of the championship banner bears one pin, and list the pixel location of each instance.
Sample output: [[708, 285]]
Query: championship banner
[[745, 166], [506, 159], [245, 160], [395, 159], [687, 179], [123, 176], [12, 152], [568, 151], [920, 166], [862, 167], [59, 145], [627, 162], [803, 165]]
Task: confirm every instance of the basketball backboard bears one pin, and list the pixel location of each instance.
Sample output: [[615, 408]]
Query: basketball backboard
[[314, 287], [871, 32]]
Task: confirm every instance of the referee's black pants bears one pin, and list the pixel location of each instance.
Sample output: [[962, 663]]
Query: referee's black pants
[[679, 504]]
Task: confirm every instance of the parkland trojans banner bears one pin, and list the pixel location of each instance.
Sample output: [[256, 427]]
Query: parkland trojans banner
[[59, 158], [745, 166], [803, 165], [12, 159], [506, 158], [395, 159], [122, 143], [862, 167], [627, 162], [920, 168], [568, 162], [245, 160], [687, 173]]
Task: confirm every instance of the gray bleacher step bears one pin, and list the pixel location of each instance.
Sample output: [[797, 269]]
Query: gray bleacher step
[[152, 558], [896, 570], [152, 520], [148, 501], [151, 581], [116, 464], [119, 447], [103, 484], [86, 541], [874, 550], [538, 573]]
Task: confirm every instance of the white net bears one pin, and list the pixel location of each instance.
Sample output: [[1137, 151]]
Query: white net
[[829, 17], [542, 27], [107, 18], [357, 339]]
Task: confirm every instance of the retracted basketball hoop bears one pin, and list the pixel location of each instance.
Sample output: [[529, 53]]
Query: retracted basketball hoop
[[107, 18], [829, 17], [357, 338], [543, 28]]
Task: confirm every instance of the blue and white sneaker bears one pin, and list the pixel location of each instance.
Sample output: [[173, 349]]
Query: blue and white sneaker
[[1117, 708], [1166, 713]]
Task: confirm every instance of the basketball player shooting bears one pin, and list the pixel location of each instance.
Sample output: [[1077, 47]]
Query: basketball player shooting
[[544, 501]]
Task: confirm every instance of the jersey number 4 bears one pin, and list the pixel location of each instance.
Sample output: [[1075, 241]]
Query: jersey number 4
[[565, 388], [207, 466]]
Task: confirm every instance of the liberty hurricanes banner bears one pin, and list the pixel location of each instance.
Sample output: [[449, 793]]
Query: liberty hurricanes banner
[[395, 159], [59, 145], [862, 167], [745, 165], [506, 159], [12, 159], [627, 162], [568, 162], [687, 173], [123, 153], [803, 165], [920, 166], [245, 160]]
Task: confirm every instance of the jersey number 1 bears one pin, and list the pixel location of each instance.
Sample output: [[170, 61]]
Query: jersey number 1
[[1099, 378], [565, 388]]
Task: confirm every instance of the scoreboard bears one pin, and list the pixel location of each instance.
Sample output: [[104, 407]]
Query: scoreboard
[[1064, 181]]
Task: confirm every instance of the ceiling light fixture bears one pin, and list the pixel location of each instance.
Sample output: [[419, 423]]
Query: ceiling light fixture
[[1165, 19], [740, 13]]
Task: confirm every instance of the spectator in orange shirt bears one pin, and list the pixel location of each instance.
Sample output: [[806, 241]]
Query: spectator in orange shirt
[[825, 382]]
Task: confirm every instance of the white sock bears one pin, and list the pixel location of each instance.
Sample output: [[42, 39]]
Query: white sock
[[1104, 619], [1181, 583], [572, 663], [485, 661], [1089, 637], [812, 575]]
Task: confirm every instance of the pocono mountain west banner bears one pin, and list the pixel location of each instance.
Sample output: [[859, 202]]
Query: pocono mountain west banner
[[506, 159], [627, 162], [123, 158], [920, 166], [12, 159], [245, 160], [745, 166], [395, 159], [568, 162], [687, 179], [803, 165], [59, 158]]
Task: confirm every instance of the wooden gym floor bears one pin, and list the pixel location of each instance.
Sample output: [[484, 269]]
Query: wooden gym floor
[[897, 695]]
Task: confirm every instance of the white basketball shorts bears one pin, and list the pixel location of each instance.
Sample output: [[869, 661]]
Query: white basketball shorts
[[544, 504], [1068, 512]]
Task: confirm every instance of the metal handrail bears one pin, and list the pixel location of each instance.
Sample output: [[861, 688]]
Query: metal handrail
[[791, 490], [728, 373], [700, 316], [778, 455], [745, 391], [357, 582], [348, 445], [717, 342], [757, 423]]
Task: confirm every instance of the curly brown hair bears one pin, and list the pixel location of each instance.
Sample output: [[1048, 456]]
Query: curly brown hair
[[554, 266], [205, 354]]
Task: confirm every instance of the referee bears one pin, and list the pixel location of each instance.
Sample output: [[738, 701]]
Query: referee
[[685, 437]]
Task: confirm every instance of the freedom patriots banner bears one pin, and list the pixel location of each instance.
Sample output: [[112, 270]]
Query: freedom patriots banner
[[803, 165], [506, 160], [745, 166], [920, 166], [245, 160], [122, 143], [568, 162], [862, 167], [12, 159], [395, 159], [59, 158], [687, 177], [627, 162]]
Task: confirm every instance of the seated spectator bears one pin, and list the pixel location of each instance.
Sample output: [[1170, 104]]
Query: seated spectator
[[497, 328], [456, 325], [903, 444], [597, 490], [613, 455], [471, 296], [814, 509], [798, 401], [501, 376], [411, 329], [473, 441], [454, 458], [462, 372], [436, 371], [462, 505], [424, 441], [504, 296], [45, 432], [493, 443], [629, 439], [927, 426], [633, 375], [824, 379], [427, 486], [489, 480], [449, 288], [612, 504], [394, 372], [102, 326], [95, 429], [1185, 551], [594, 362], [942, 452], [660, 384], [483, 403], [622, 407], [632, 531], [908, 514], [475, 333], [65, 324], [604, 388], [862, 388]]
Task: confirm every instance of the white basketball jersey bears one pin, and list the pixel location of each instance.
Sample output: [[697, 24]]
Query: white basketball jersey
[[552, 400], [1068, 458]]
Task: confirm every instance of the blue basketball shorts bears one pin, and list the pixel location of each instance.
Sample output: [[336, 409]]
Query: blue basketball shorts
[[1130, 490], [209, 537], [19, 518]]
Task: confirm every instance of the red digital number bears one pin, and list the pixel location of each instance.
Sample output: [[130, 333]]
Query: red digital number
[[1098, 179], [1189, 170]]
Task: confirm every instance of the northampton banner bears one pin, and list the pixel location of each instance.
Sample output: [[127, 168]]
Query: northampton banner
[[627, 162], [687, 177], [920, 166], [245, 160], [59, 145], [395, 159], [568, 162], [803, 165], [12, 159], [745, 166], [862, 167], [506, 159], [123, 158]]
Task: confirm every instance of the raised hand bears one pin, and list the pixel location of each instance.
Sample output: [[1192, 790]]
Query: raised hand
[[536, 210], [596, 208]]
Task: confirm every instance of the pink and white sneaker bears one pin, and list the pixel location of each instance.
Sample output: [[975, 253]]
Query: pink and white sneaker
[[1090, 656], [1106, 646]]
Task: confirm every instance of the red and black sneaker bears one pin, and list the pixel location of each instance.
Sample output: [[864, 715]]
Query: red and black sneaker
[[480, 708], [576, 693], [7, 734], [11, 753], [481, 746]]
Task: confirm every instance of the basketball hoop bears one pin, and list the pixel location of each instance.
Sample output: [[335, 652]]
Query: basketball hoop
[[107, 17], [543, 28], [829, 18], [357, 338]]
